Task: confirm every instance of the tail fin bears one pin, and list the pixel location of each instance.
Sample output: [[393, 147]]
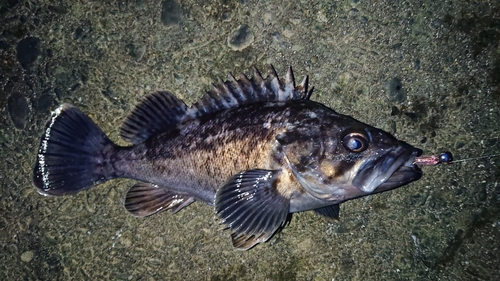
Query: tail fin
[[74, 154]]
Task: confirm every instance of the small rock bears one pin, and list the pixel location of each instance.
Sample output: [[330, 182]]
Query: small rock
[[170, 12], [18, 110], [394, 111], [28, 51], [136, 52], [305, 246], [27, 256], [78, 33], [395, 90], [44, 102], [11, 4], [110, 94], [437, 23], [139, 5], [416, 63], [158, 242], [126, 239], [4, 45], [61, 10], [240, 38]]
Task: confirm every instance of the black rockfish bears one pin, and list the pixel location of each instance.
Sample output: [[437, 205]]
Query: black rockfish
[[256, 149]]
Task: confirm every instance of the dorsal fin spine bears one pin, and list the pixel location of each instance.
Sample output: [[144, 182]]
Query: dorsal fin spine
[[273, 71], [276, 88], [228, 95], [304, 84], [220, 97], [244, 81], [290, 83], [289, 79], [256, 74], [231, 92], [238, 88]]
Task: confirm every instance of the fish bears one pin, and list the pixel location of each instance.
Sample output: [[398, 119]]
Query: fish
[[256, 149]]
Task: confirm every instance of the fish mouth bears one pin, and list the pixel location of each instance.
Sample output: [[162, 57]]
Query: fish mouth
[[389, 171]]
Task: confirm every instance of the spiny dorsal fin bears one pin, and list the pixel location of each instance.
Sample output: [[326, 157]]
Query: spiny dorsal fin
[[162, 111], [235, 93]]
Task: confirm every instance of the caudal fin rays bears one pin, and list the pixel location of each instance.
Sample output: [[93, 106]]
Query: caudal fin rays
[[73, 154]]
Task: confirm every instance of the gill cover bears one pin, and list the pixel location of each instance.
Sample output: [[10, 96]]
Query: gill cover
[[312, 157]]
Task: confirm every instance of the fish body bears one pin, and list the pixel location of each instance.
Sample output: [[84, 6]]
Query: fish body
[[256, 149]]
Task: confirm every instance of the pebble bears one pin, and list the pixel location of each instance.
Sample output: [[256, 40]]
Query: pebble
[[18, 110], [136, 52], [240, 38], [44, 102], [4, 45], [28, 51], [27, 256], [78, 33], [170, 12], [395, 90]]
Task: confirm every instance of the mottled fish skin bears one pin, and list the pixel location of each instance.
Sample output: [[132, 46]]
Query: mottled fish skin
[[205, 153], [257, 149]]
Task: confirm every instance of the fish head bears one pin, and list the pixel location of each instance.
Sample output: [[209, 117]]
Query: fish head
[[340, 158]]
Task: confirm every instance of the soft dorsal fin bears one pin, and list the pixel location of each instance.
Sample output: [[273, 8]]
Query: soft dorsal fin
[[162, 111], [157, 113]]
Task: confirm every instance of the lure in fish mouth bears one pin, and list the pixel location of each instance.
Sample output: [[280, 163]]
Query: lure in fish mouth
[[392, 170], [257, 149]]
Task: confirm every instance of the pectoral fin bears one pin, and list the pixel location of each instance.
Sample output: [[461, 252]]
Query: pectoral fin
[[252, 207], [145, 199]]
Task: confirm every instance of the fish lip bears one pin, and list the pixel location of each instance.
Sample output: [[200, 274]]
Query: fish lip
[[404, 174], [410, 162], [393, 169]]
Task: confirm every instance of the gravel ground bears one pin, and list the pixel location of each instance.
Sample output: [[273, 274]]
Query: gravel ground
[[426, 71]]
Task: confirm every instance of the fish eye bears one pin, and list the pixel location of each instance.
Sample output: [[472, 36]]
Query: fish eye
[[355, 142]]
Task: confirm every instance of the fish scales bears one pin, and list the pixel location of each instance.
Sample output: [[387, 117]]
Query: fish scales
[[256, 149], [205, 154], [210, 151]]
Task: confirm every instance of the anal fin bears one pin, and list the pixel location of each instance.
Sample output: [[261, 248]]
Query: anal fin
[[331, 211], [244, 242], [145, 199]]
